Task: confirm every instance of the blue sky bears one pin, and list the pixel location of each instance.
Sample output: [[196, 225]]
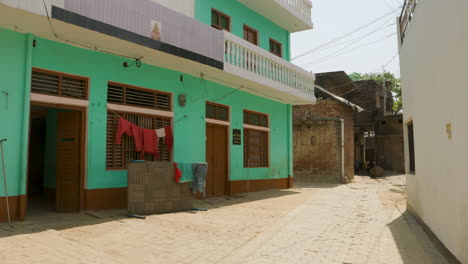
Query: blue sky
[[364, 51]]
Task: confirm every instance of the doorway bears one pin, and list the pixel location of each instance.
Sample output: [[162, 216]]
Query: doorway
[[55, 159], [217, 158]]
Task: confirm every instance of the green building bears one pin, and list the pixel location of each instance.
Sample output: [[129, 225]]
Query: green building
[[216, 72]]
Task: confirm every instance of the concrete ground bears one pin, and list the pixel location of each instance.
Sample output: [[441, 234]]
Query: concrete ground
[[363, 222]]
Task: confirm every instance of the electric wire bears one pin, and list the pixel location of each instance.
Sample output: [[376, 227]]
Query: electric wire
[[344, 35], [338, 53]]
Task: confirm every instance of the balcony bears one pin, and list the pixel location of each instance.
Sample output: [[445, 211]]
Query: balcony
[[219, 55], [282, 80], [292, 15]]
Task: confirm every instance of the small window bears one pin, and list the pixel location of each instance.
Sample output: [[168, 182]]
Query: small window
[[251, 35], [217, 111], [276, 48], [411, 147], [220, 20], [255, 119], [58, 84], [139, 97]]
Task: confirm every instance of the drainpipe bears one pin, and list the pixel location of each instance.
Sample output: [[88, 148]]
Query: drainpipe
[[342, 151], [26, 109], [290, 148]]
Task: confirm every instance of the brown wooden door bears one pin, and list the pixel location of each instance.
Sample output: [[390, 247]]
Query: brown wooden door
[[216, 156], [68, 161]]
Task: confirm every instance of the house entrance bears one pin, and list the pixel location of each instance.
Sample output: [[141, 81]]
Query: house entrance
[[55, 159], [217, 158]]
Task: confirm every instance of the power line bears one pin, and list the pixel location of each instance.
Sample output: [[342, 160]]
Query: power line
[[337, 53], [378, 29], [347, 41], [344, 35]]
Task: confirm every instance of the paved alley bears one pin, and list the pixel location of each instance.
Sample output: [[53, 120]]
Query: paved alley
[[363, 222]]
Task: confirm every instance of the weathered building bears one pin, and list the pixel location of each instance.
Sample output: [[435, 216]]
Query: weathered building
[[323, 134], [378, 133]]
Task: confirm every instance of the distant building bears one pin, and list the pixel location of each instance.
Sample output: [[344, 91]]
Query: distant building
[[377, 130], [323, 133]]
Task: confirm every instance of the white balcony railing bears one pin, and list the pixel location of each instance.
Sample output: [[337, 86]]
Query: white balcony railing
[[301, 6], [253, 59]]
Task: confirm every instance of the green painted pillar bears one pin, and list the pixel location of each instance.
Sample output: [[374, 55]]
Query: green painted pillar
[[26, 114]]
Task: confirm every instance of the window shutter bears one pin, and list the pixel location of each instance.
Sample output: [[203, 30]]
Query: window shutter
[[256, 119], [134, 96], [58, 85], [216, 111]]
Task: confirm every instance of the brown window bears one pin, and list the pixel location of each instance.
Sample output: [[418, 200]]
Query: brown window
[[255, 119], [411, 147], [220, 20], [139, 97], [217, 111], [256, 141], [117, 156], [276, 48], [58, 84], [256, 150], [251, 35]]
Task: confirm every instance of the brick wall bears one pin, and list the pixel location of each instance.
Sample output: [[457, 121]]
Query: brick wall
[[317, 142]]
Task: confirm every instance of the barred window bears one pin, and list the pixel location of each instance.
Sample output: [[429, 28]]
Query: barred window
[[256, 140], [118, 156], [256, 148]]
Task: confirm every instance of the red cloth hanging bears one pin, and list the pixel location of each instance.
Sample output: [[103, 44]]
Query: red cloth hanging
[[130, 130], [150, 143], [124, 127], [169, 138], [177, 172]]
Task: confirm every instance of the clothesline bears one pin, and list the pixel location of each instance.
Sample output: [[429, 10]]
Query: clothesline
[[146, 140], [175, 122]]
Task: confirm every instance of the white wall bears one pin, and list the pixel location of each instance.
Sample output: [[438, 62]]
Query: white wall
[[434, 71], [186, 7]]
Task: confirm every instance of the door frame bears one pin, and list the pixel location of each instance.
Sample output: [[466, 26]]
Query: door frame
[[226, 125], [83, 139]]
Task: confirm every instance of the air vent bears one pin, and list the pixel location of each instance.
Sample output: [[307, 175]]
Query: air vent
[[58, 85], [132, 96], [256, 119], [217, 111]]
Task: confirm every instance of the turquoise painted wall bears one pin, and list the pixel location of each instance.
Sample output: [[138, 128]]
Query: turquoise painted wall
[[189, 129], [240, 15], [12, 71]]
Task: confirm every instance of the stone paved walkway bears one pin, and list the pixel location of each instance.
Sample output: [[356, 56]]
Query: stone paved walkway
[[363, 222]]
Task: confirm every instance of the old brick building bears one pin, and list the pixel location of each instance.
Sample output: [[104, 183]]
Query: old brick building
[[323, 133], [378, 132]]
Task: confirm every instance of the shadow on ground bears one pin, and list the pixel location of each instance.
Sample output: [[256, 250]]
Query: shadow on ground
[[40, 220], [413, 243]]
